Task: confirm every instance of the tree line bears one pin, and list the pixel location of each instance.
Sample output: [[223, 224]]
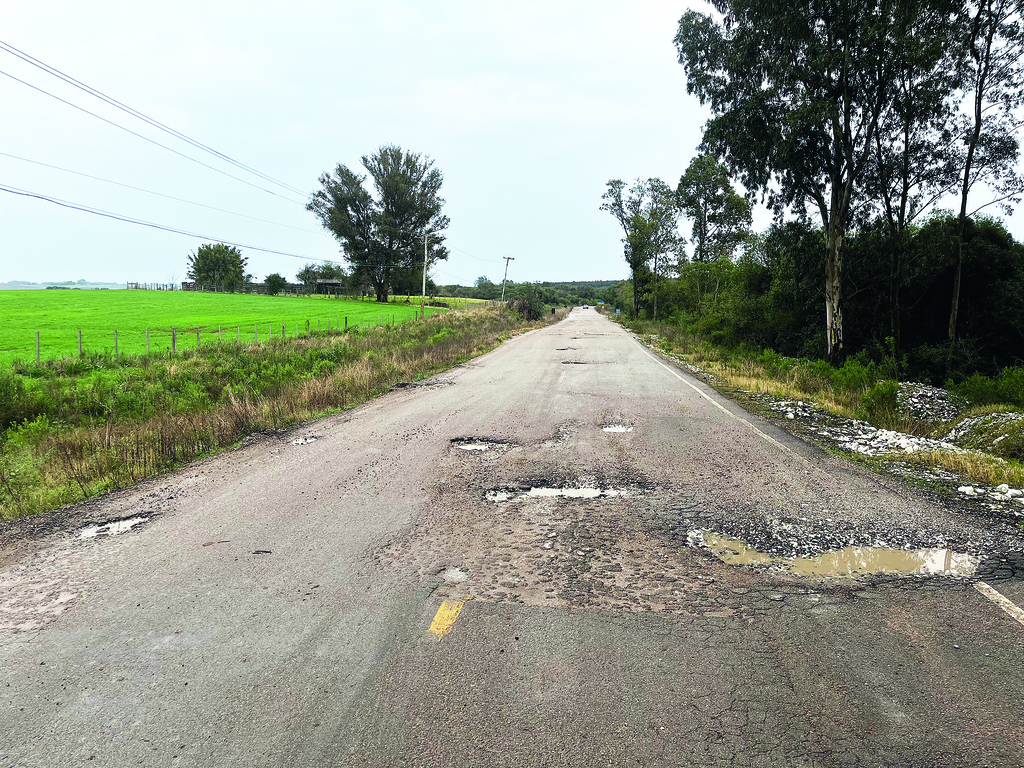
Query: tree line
[[852, 121]]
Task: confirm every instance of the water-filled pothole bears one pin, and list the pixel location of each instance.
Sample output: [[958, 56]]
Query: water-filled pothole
[[113, 528], [305, 439], [847, 562], [616, 428]]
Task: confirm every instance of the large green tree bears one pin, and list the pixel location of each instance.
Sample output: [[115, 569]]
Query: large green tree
[[993, 80], [219, 266], [797, 91], [311, 273], [721, 218], [382, 231], [913, 163], [649, 218]]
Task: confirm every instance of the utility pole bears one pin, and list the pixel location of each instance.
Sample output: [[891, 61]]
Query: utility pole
[[507, 260], [423, 298]]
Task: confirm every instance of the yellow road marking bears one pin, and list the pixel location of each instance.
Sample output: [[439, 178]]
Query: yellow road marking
[[446, 615]]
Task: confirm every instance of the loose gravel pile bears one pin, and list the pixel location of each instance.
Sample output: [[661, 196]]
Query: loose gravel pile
[[925, 403], [862, 438]]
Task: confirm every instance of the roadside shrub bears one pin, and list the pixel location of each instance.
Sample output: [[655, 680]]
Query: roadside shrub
[[1007, 387], [528, 305], [12, 392], [879, 403]]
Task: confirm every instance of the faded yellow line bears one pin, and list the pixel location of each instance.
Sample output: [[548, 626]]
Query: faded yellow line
[[446, 615]]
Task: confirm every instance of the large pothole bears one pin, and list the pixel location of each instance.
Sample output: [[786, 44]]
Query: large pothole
[[481, 444]]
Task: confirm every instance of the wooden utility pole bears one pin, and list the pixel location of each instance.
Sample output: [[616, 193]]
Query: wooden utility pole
[[503, 279]]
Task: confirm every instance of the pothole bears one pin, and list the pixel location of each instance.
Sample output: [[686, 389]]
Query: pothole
[[616, 428], [481, 444], [573, 362], [306, 439], [454, 575], [847, 562], [113, 528], [427, 384], [552, 492]]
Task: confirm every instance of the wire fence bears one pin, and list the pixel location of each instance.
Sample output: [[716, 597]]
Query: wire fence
[[152, 341]]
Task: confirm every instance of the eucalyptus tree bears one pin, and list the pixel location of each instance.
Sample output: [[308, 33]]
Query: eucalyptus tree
[[993, 77], [649, 218], [383, 231], [914, 159], [721, 217], [797, 92]]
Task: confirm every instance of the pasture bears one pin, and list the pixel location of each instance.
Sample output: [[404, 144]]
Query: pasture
[[58, 315]]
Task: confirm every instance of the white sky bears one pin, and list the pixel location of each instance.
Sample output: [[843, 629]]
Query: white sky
[[527, 108]]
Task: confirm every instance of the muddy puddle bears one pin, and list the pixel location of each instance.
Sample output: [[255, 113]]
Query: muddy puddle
[[847, 562]]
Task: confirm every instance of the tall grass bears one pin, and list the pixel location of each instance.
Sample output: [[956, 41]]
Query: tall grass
[[85, 427]]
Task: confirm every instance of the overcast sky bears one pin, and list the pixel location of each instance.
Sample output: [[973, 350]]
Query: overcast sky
[[527, 108]]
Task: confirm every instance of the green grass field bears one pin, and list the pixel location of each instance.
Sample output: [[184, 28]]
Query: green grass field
[[59, 315]]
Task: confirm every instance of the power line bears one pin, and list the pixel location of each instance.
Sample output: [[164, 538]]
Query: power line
[[489, 261], [140, 222], [135, 113], [151, 192], [146, 138]]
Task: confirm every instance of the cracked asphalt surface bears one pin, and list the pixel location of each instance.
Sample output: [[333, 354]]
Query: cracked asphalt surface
[[273, 607]]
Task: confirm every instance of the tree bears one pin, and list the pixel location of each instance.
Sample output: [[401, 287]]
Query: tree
[[797, 91], [649, 219], [382, 234], [311, 273], [912, 164], [275, 284], [721, 218], [218, 265], [994, 86]]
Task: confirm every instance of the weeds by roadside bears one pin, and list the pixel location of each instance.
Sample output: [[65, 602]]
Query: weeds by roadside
[[861, 389], [86, 427]]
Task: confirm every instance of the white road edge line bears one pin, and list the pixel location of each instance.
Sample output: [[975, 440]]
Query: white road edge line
[[711, 400], [1011, 609]]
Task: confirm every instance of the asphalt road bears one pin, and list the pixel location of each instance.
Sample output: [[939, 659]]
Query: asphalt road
[[380, 588]]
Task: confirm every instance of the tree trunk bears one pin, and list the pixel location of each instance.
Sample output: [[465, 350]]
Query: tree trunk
[[833, 294], [635, 296]]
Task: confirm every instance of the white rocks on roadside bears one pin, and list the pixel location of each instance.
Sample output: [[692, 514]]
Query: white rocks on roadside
[[927, 403], [1001, 492]]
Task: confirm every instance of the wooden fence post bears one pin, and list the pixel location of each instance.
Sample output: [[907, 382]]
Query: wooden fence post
[[284, 332], [220, 337], [147, 342], [37, 347], [346, 322], [79, 342], [197, 339], [239, 334], [256, 332], [174, 339], [115, 345]]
